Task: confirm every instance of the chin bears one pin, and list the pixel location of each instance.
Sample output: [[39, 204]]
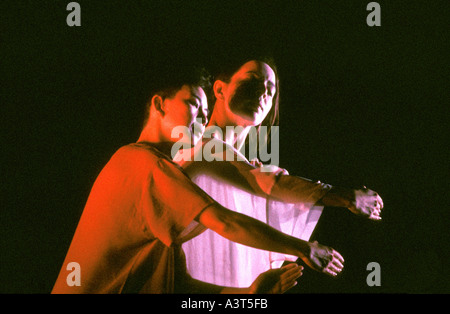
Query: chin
[[250, 119]]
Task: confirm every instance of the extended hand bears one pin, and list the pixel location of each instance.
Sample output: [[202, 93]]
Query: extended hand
[[324, 259], [276, 281], [366, 203]]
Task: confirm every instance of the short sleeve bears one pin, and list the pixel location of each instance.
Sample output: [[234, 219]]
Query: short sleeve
[[170, 201]]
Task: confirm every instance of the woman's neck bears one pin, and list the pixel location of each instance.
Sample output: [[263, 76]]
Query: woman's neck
[[229, 133]]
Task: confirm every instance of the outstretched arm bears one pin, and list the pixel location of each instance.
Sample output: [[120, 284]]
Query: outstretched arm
[[278, 185], [363, 202], [245, 230]]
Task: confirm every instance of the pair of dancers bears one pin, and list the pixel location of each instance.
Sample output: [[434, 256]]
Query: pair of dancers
[[143, 206]]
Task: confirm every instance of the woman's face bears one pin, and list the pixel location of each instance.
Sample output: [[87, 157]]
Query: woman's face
[[250, 92]]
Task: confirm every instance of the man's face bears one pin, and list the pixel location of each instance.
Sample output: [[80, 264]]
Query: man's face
[[184, 109], [250, 92]]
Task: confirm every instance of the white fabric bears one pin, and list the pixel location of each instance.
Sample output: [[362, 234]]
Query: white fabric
[[216, 260]]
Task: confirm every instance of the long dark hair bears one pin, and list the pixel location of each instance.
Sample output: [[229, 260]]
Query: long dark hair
[[229, 67]]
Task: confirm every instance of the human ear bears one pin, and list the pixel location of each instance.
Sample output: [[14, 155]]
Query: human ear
[[158, 104], [218, 89]]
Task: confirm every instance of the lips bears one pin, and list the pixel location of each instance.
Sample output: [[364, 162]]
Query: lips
[[253, 105]]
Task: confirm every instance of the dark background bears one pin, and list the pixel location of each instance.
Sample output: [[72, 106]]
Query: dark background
[[360, 106]]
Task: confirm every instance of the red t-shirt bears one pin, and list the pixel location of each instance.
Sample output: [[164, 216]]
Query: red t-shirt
[[127, 240]]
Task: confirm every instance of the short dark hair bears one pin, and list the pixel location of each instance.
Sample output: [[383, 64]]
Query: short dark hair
[[170, 78]]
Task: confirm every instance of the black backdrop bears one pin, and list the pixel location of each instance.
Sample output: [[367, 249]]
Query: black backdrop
[[360, 105]]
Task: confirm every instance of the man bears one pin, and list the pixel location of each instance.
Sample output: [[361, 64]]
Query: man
[[137, 215]]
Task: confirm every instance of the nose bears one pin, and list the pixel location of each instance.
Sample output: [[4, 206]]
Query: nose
[[261, 88], [201, 115]]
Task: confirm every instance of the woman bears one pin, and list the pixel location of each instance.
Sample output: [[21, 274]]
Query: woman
[[247, 95]]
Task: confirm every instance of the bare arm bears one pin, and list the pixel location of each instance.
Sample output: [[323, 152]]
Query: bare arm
[[230, 165], [362, 202], [292, 189], [245, 230], [286, 188]]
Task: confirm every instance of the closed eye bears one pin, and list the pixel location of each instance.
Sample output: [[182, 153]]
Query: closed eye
[[271, 88], [193, 102]]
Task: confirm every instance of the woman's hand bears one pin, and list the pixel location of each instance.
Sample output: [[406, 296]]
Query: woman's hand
[[367, 203], [276, 281], [362, 202]]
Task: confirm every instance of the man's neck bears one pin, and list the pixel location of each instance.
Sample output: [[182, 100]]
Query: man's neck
[[152, 136]]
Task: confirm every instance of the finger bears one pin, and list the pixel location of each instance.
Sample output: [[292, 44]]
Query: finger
[[282, 270], [376, 212], [375, 217], [334, 268], [371, 210], [375, 209], [292, 276], [338, 257], [287, 280], [287, 269], [290, 266], [292, 273], [285, 288], [338, 263], [380, 201], [329, 272], [293, 268]]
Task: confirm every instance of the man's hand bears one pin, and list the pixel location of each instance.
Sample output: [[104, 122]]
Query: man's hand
[[324, 259], [366, 203], [276, 281], [248, 231]]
